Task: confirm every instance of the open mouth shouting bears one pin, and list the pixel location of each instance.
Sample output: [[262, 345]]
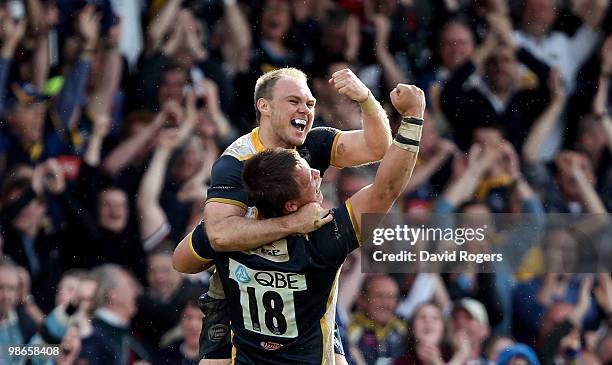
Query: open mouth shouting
[[299, 124]]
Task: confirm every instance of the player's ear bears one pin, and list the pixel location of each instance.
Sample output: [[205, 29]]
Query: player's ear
[[291, 206], [263, 106]]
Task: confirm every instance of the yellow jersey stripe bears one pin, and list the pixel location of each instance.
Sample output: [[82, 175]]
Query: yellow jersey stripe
[[256, 141], [354, 221], [233, 347], [332, 158], [194, 253], [227, 201], [327, 323]]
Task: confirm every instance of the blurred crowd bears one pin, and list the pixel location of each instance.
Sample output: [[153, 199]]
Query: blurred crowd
[[112, 113]]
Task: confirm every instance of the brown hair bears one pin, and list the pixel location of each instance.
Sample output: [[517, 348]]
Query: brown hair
[[265, 83], [269, 180]]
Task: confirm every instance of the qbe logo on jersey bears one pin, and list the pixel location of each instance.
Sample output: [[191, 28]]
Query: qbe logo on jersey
[[267, 300]]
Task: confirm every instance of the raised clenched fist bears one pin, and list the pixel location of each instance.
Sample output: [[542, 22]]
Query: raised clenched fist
[[408, 100]]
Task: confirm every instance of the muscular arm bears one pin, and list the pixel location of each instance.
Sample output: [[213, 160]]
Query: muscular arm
[[122, 155], [184, 260], [370, 143], [229, 230], [226, 226], [391, 178], [397, 165]]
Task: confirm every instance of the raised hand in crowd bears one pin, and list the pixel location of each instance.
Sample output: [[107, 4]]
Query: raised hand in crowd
[[48, 176], [462, 348], [194, 190], [603, 293], [54, 177], [70, 347], [161, 24], [11, 33], [134, 149], [547, 119], [510, 162], [584, 300], [429, 354], [434, 151], [501, 26], [106, 84], [89, 27], [114, 35], [168, 140], [37, 17], [606, 57], [101, 128], [173, 113], [353, 38], [601, 109], [468, 175], [211, 109], [174, 41], [581, 170], [152, 216], [25, 297], [391, 70], [194, 40], [591, 12]]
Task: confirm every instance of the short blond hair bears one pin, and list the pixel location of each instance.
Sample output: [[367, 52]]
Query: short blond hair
[[265, 83]]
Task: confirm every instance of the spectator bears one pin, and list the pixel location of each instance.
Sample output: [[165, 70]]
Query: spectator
[[111, 341], [184, 351], [32, 246], [26, 301], [495, 346], [500, 94], [375, 330], [160, 307], [434, 163], [423, 288], [557, 49], [515, 353], [75, 305], [559, 333], [470, 325], [15, 327], [548, 290], [426, 340], [333, 109]]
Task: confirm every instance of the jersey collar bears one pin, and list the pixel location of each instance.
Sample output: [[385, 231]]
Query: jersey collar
[[256, 141]]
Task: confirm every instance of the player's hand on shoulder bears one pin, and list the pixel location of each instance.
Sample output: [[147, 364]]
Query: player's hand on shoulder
[[408, 100], [311, 217], [347, 83]]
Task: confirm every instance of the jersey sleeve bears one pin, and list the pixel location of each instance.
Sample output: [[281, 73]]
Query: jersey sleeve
[[226, 183], [200, 245], [337, 239], [321, 146]]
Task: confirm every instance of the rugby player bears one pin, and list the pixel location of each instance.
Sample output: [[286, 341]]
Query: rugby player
[[282, 307], [285, 112]]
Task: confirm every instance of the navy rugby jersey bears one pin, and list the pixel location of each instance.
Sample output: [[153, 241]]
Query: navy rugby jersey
[[226, 176], [282, 296]]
